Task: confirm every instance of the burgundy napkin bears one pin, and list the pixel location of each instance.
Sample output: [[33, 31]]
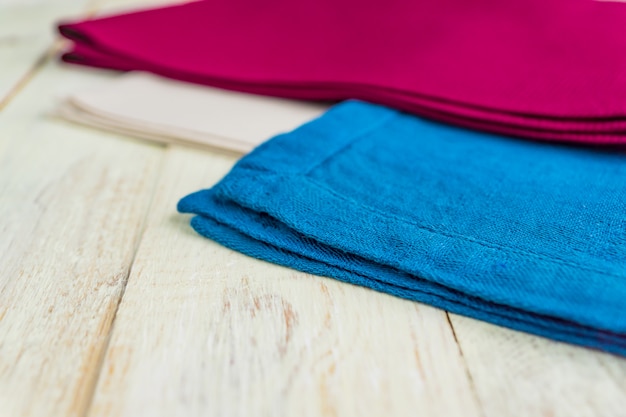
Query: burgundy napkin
[[540, 69]]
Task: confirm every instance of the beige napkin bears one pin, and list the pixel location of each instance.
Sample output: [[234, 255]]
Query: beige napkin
[[154, 108]]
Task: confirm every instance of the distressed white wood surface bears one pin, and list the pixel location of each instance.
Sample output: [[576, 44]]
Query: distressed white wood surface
[[202, 330], [516, 374], [27, 34], [72, 204]]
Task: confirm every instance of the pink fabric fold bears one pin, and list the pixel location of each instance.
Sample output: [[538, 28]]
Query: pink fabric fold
[[538, 69]]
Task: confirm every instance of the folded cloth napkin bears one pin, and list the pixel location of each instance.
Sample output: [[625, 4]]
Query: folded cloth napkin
[[163, 110], [526, 235], [544, 69]]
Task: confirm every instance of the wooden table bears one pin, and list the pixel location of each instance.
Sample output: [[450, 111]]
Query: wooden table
[[110, 305]]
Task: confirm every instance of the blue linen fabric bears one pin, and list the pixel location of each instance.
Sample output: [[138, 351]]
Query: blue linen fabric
[[526, 235]]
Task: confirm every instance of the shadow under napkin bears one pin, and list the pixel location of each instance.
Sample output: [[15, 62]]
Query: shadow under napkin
[[525, 235]]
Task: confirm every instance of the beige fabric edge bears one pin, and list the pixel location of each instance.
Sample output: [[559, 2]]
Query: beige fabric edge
[[148, 107]]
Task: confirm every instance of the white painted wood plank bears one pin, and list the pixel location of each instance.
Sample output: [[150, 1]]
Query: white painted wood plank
[[27, 31], [72, 204], [125, 6], [205, 331], [516, 374]]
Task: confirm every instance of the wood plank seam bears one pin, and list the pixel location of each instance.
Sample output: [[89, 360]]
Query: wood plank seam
[[105, 347], [48, 54], [28, 76], [470, 379]]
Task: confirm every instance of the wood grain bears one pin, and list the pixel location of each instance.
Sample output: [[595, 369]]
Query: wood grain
[[203, 330], [516, 374], [26, 36], [72, 207]]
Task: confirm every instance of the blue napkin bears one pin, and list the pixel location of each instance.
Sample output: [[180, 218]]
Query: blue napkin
[[526, 235]]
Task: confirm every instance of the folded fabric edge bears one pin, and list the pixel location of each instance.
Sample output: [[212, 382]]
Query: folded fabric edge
[[265, 182], [601, 131], [263, 228], [68, 111], [233, 239]]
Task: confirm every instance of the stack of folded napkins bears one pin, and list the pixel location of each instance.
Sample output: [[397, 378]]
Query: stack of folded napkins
[[543, 69], [525, 234]]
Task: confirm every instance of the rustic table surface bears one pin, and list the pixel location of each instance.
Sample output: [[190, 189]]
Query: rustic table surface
[[110, 305]]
